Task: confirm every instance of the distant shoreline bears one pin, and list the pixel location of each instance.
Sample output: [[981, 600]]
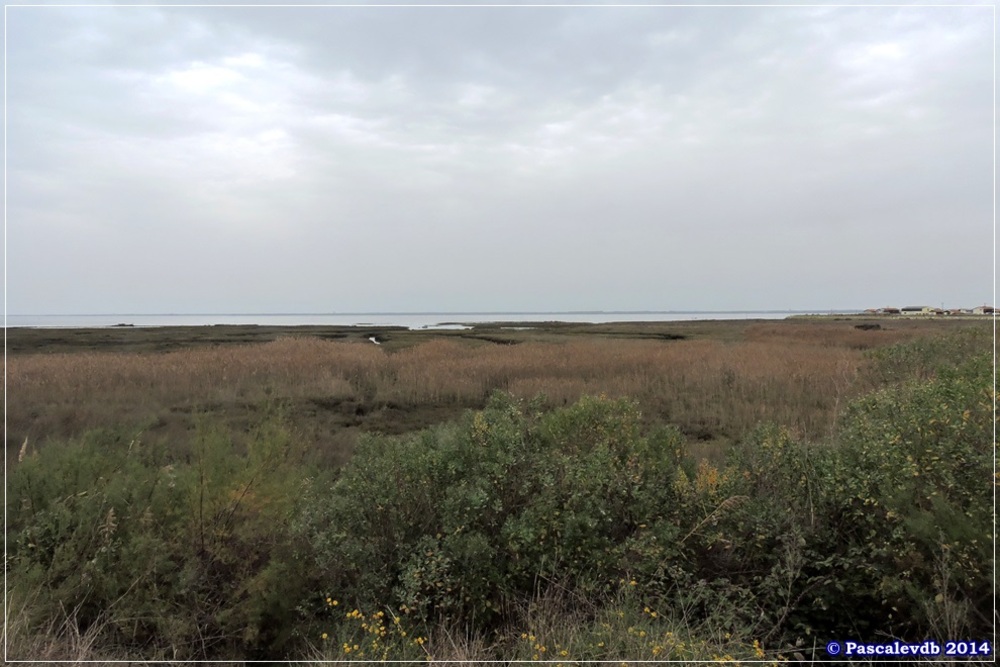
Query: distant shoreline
[[894, 316], [411, 320]]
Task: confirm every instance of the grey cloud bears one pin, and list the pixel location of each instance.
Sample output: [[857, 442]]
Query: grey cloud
[[491, 157]]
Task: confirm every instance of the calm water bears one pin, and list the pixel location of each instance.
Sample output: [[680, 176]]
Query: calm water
[[411, 320]]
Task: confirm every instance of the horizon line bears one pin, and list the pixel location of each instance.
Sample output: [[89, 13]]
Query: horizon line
[[449, 312]]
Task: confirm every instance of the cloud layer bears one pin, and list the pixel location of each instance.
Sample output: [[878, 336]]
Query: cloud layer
[[252, 159]]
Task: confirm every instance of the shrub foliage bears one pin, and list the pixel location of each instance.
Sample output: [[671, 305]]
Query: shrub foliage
[[176, 559]]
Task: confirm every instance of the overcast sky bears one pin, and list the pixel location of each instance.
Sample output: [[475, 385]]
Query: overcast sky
[[322, 159]]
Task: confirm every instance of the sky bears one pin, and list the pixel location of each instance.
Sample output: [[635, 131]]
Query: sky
[[249, 159]]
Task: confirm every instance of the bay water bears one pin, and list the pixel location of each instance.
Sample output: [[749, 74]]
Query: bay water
[[409, 320]]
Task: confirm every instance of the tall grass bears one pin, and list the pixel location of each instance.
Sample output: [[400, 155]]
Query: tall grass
[[711, 389]]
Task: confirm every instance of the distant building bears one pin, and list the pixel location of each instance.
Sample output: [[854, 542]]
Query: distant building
[[917, 310], [984, 310], [890, 311]]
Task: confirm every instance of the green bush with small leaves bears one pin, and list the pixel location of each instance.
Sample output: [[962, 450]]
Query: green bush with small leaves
[[173, 558], [463, 521], [886, 530], [914, 498]]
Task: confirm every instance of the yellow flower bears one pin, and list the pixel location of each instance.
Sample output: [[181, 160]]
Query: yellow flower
[[324, 636]]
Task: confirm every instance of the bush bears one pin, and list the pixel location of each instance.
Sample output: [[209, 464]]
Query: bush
[[886, 530], [913, 499], [173, 559], [462, 522]]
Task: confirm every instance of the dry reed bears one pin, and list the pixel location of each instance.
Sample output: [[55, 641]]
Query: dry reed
[[709, 388]]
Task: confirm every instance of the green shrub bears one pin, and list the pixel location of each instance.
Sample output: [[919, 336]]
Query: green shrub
[[887, 530], [462, 522], [914, 494], [175, 559]]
